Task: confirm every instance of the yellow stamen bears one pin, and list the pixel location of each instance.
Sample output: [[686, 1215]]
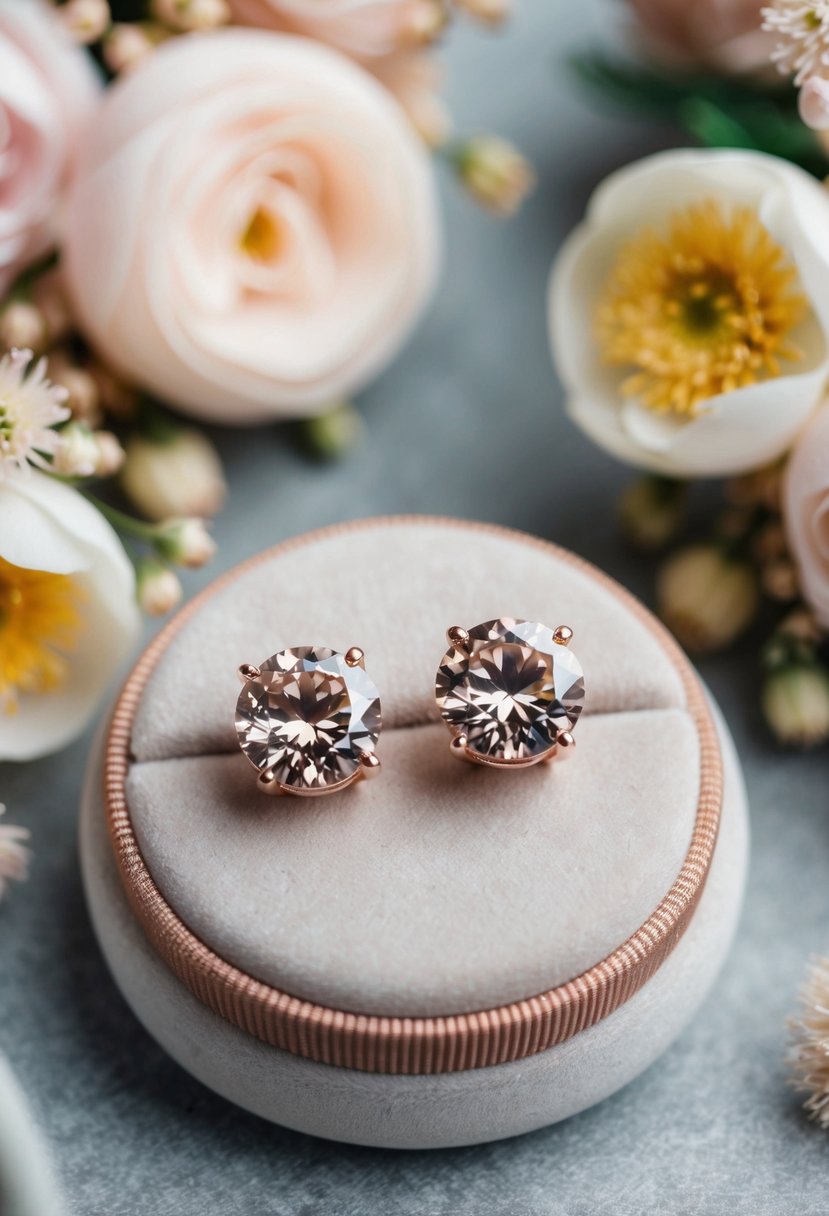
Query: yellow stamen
[[704, 309], [39, 624], [262, 239]]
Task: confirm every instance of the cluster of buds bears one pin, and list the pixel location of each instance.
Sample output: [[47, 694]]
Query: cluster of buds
[[175, 542], [82, 452]]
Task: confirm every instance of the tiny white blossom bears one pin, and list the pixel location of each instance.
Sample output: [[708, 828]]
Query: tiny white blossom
[[14, 856], [30, 406], [803, 37]]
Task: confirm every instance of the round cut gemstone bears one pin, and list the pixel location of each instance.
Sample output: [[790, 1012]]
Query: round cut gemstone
[[308, 716], [511, 690]]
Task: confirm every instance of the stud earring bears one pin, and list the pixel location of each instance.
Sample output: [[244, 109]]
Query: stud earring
[[510, 691], [308, 720]]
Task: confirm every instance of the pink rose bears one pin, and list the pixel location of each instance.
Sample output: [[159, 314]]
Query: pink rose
[[365, 29], [252, 230], [48, 87], [806, 512], [720, 34]]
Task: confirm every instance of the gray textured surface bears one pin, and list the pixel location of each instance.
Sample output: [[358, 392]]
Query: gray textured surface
[[466, 423]]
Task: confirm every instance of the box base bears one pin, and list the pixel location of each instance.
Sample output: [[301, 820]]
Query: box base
[[418, 1112]]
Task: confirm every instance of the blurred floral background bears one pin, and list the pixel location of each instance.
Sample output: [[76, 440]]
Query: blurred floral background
[[225, 214]]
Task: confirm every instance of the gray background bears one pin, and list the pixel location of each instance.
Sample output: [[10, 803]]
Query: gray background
[[468, 422]]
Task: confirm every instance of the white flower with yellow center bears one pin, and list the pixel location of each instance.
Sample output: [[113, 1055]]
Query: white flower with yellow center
[[689, 312], [68, 616], [30, 406]]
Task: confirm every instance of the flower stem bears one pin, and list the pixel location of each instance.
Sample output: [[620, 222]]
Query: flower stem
[[123, 522]]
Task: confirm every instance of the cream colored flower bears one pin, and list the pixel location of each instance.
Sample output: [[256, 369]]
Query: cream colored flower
[[68, 617], [689, 313], [252, 231]]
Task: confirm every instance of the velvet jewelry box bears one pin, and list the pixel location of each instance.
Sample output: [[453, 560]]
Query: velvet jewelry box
[[448, 954]]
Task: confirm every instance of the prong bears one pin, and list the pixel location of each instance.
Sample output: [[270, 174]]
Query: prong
[[563, 635], [267, 782], [565, 740], [457, 637], [354, 656], [458, 746], [249, 671], [369, 765]]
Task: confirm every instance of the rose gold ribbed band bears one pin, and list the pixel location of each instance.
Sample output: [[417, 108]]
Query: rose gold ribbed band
[[413, 1045]]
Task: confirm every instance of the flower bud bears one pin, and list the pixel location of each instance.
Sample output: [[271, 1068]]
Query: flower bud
[[179, 475], [185, 542], [796, 704], [85, 20], [77, 453], [84, 398], [22, 326], [425, 21], [157, 587], [651, 511], [779, 579], [706, 597], [334, 433], [127, 44], [495, 173], [49, 297], [490, 12], [110, 454], [187, 16]]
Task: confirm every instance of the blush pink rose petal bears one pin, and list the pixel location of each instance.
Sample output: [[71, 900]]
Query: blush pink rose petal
[[48, 88], [806, 512], [252, 229]]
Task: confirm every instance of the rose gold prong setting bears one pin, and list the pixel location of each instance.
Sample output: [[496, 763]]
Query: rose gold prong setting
[[563, 635], [355, 657], [369, 765], [248, 671], [268, 784], [458, 637], [459, 746]]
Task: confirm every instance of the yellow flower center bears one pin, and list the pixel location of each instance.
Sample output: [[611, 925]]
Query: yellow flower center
[[703, 309], [262, 239], [39, 624]]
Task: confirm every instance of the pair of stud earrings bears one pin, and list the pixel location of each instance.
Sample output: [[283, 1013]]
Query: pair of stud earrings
[[510, 691]]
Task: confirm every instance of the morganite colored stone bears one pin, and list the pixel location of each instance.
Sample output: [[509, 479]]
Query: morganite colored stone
[[513, 691], [308, 716]]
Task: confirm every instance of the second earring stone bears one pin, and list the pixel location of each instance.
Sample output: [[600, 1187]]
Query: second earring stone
[[511, 692]]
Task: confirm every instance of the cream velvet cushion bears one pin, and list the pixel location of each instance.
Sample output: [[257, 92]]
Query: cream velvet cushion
[[440, 887]]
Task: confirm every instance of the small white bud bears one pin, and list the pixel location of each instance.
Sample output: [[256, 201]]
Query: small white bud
[[22, 325], [77, 453], [110, 454], [127, 44], [490, 12], [173, 477], [85, 20], [495, 173], [796, 704], [185, 542], [332, 434], [706, 598], [158, 588]]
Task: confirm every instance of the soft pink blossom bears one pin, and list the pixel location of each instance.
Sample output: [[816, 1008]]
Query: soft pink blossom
[[47, 90], [252, 231], [725, 35], [806, 512]]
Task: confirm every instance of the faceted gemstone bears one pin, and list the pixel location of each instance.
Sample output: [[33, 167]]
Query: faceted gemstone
[[308, 716], [512, 691]]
